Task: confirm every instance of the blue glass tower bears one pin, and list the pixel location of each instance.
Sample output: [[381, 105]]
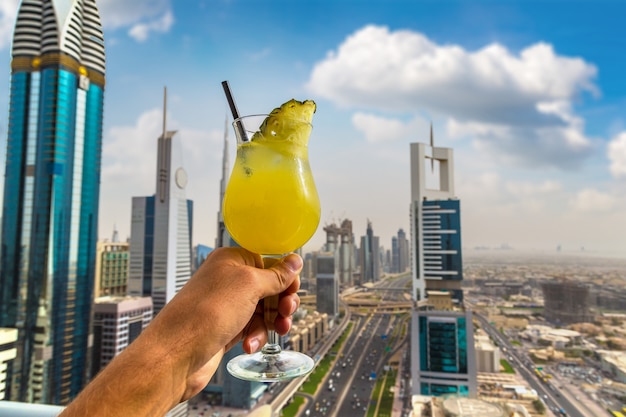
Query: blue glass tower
[[51, 191], [442, 353]]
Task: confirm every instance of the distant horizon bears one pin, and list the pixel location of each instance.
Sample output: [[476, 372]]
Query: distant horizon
[[540, 254]]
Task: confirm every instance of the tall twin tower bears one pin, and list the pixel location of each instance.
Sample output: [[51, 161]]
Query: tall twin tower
[[51, 193]]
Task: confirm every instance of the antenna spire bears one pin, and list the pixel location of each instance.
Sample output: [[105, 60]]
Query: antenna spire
[[432, 140], [164, 109], [432, 145]]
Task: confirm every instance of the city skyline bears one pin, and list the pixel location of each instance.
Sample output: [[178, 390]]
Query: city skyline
[[531, 99]]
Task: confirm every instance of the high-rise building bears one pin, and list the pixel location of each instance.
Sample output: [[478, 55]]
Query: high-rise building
[[442, 346], [118, 321], [369, 256], [161, 224], [340, 241], [200, 253], [435, 223], [112, 260], [403, 251], [346, 254], [395, 255], [223, 237], [51, 193], [327, 300], [566, 302]]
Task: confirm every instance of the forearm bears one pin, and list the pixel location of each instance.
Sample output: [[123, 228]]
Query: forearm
[[144, 380]]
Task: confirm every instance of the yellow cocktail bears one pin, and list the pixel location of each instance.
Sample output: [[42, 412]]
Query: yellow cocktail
[[271, 205]]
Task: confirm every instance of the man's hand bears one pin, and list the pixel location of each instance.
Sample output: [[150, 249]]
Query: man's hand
[[175, 357]]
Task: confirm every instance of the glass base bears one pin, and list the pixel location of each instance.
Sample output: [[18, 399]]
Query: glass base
[[269, 367]]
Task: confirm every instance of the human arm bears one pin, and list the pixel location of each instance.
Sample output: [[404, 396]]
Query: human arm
[[174, 358]]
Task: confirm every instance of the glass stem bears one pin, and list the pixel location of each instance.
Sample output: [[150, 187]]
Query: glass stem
[[272, 346], [270, 311]]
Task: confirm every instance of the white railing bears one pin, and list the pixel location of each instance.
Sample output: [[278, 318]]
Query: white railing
[[15, 409]]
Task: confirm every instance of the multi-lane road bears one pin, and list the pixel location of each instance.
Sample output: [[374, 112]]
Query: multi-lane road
[[347, 388], [549, 393]]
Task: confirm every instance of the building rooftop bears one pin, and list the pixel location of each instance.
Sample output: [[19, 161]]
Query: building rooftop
[[470, 407]]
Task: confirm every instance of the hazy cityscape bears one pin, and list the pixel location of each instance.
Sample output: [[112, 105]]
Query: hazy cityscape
[[424, 324]]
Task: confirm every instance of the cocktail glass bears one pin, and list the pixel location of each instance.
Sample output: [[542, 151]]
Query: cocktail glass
[[271, 207]]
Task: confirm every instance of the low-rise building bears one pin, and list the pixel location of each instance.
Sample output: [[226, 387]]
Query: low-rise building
[[8, 352], [614, 362], [487, 354], [308, 331]]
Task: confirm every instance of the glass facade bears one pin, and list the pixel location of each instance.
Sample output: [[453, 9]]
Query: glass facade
[[443, 344], [148, 247], [443, 355], [441, 241], [438, 390], [327, 285], [49, 229]]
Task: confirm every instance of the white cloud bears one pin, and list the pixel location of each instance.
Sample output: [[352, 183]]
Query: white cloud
[[381, 129], [129, 169], [142, 16], [564, 147], [490, 189], [525, 189], [592, 201], [616, 152], [122, 13], [520, 102], [8, 12], [404, 69], [141, 31]]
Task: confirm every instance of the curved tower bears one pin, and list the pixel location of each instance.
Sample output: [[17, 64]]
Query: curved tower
[[51, 191]]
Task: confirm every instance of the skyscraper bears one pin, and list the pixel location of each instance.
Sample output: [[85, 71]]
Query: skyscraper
[[327, 284], [340, 241], [435, 223], [51, 192], [223, 237], [566, 302], [403, 251], [395, 255], [369, 256], [442, 342], [160, 240]]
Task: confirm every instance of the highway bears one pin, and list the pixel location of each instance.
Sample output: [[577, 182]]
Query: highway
[[347, 388], [548, 393]]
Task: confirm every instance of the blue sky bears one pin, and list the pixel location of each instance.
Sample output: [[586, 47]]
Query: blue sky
[[531, 95]]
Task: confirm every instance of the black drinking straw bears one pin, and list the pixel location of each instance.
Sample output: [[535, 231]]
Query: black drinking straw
[[234, 111]]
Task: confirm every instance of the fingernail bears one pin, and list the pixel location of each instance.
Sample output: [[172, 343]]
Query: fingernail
[[254, 345], [294, 307], [294, 262]]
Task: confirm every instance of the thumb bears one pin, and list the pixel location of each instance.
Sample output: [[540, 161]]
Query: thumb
[[281, 274]]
